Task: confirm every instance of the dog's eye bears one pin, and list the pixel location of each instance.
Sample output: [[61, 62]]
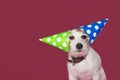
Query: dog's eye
[[84, 36], [71, 37]]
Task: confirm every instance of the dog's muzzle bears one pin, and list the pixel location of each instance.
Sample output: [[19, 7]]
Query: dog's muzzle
[[76, 60]]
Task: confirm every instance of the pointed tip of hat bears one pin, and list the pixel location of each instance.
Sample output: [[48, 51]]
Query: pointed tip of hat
[[59, 40], [40, 39], [93, 29], [107, 19]]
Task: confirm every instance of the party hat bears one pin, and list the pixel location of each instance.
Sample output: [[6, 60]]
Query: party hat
[[93, 29], [59, 40]]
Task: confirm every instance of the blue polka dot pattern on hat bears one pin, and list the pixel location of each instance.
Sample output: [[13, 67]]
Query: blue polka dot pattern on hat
[[92, 30]]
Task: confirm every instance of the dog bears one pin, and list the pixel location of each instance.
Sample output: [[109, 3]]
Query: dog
[[83, 63]]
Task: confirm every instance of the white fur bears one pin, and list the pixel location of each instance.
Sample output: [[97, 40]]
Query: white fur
[[88, 69]]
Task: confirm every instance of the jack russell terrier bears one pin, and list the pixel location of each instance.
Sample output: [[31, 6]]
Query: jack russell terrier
[[84, 63]]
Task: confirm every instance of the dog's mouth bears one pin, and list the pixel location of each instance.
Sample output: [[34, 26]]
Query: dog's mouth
[[78, 50], [76, 58]]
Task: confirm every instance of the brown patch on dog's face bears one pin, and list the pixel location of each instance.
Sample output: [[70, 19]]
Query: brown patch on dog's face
[[78, 30], [87, 41]]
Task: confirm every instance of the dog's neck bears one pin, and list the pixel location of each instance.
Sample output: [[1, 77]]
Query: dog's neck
[[76, 60]]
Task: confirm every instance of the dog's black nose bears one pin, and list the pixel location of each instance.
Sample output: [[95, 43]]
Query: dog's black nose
[[79, 46]]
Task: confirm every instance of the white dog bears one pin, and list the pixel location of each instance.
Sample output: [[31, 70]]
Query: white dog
[[83, 62]]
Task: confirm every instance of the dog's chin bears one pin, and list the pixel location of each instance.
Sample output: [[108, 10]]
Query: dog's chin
[[78, 53]]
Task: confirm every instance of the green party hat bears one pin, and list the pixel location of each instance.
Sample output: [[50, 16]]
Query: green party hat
[[59, 40]]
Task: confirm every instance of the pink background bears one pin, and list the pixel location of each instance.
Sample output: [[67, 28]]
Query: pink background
[[23, 22]]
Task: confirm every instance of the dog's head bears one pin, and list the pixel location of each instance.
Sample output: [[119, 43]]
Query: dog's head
[[79, 43]]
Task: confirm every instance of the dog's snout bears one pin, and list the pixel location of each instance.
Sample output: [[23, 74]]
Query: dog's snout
[[79, 46]]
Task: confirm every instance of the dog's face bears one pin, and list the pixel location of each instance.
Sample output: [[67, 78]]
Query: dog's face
[[79, 43]]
